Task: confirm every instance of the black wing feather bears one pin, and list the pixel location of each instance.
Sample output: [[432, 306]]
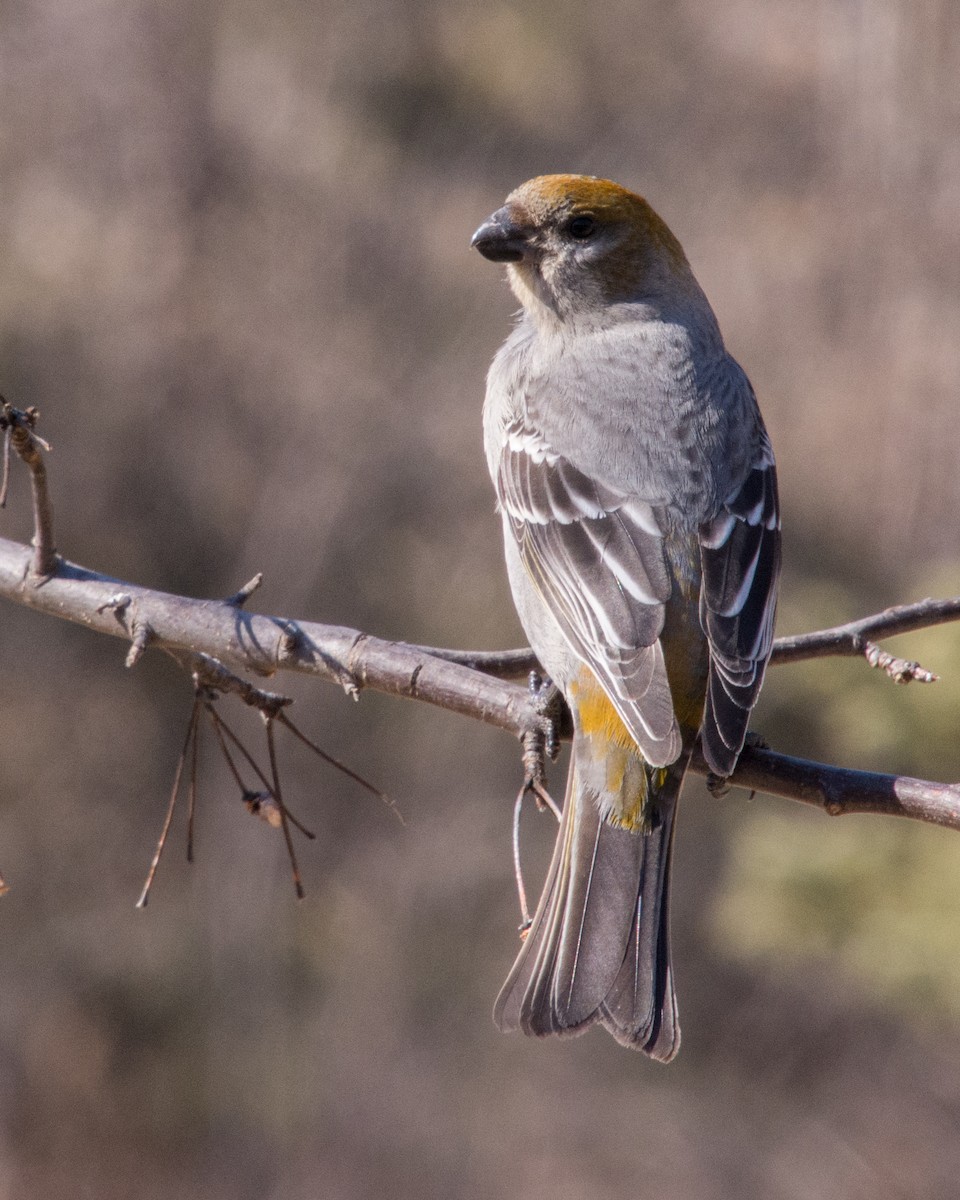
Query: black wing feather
[[740, 554]]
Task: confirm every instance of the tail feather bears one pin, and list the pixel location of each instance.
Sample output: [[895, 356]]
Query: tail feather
[[598, 948], [640, 1010], [526, 1000]]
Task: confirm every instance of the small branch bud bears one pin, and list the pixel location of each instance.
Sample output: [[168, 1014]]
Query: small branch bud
[[142, 634], [238, 599], [900, 670]]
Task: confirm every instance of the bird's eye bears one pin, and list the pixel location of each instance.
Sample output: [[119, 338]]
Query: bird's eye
[[581, 227]]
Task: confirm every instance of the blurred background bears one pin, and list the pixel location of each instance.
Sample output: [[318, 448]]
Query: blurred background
[[236, 280]]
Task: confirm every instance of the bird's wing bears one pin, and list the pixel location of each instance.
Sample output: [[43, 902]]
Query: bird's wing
[[596, 558], [740, 554]]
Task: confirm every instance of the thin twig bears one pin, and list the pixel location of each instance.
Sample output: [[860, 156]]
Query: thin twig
[[19, 426], [191, 729], [500, 664], [272, 751], [900, 670], [209, 672], [851, 639], [335, 762], [218, 729], [192, 794], [848, 640], [5, 474], [525, 919], [142, 633], [222, 728]]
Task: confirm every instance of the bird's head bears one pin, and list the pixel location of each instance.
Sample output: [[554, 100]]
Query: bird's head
[[576, 245]]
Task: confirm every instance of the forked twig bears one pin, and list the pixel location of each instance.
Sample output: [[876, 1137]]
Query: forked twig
[[222, 728]]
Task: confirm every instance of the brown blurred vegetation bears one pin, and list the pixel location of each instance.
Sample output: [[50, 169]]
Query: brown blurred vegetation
[[236, 280]]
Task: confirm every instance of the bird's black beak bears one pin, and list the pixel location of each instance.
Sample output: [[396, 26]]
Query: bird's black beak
[[500, 238]]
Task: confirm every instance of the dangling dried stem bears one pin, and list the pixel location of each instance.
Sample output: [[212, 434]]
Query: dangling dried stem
[[222, 728], [525, 919], [5, 477], [335, 762], [192, 805], [191, 730], [271, 749]]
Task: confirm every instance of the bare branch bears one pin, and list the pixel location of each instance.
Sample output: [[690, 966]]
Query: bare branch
[[260, 644], [263, 645], [501, 664], [210, 673], [852, 640], [840, 791]]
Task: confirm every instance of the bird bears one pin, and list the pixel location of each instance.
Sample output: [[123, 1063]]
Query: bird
[[638, 494]]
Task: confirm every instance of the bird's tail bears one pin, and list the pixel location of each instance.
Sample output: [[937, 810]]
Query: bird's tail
[[599, 945]]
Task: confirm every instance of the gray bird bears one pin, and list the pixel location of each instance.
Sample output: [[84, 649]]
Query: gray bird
[[639, 499]]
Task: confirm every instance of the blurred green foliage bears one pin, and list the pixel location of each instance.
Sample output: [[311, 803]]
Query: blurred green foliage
[[879, 897]]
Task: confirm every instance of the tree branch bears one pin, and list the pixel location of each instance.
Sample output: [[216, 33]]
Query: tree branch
[[19, 431], [260, 644], [461, 681], [853, 639], [840, 791]]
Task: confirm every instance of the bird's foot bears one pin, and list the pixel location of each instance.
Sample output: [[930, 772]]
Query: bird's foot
[[540, 742]]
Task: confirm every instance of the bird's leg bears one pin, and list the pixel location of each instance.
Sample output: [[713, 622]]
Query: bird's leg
[[718, 786], [540, 742]]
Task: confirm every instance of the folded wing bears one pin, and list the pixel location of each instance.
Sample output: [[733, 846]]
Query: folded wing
[[740, 554], [597, 560]]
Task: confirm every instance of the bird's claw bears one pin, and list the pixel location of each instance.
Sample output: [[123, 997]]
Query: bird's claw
[[541, 741], [718, 785]]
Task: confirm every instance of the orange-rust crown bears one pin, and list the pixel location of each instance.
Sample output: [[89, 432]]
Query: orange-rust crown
[[548, 197]]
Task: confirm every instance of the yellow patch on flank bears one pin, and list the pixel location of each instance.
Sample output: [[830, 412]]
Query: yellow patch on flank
[[624, 774], [598, 717]]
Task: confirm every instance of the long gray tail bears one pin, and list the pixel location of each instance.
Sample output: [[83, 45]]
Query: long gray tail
[[599, 945]]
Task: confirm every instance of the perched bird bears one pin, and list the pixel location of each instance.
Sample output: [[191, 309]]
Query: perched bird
[[639, 501]]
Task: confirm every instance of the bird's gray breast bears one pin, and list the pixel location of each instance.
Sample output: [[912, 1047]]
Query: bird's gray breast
[[647, 408]]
